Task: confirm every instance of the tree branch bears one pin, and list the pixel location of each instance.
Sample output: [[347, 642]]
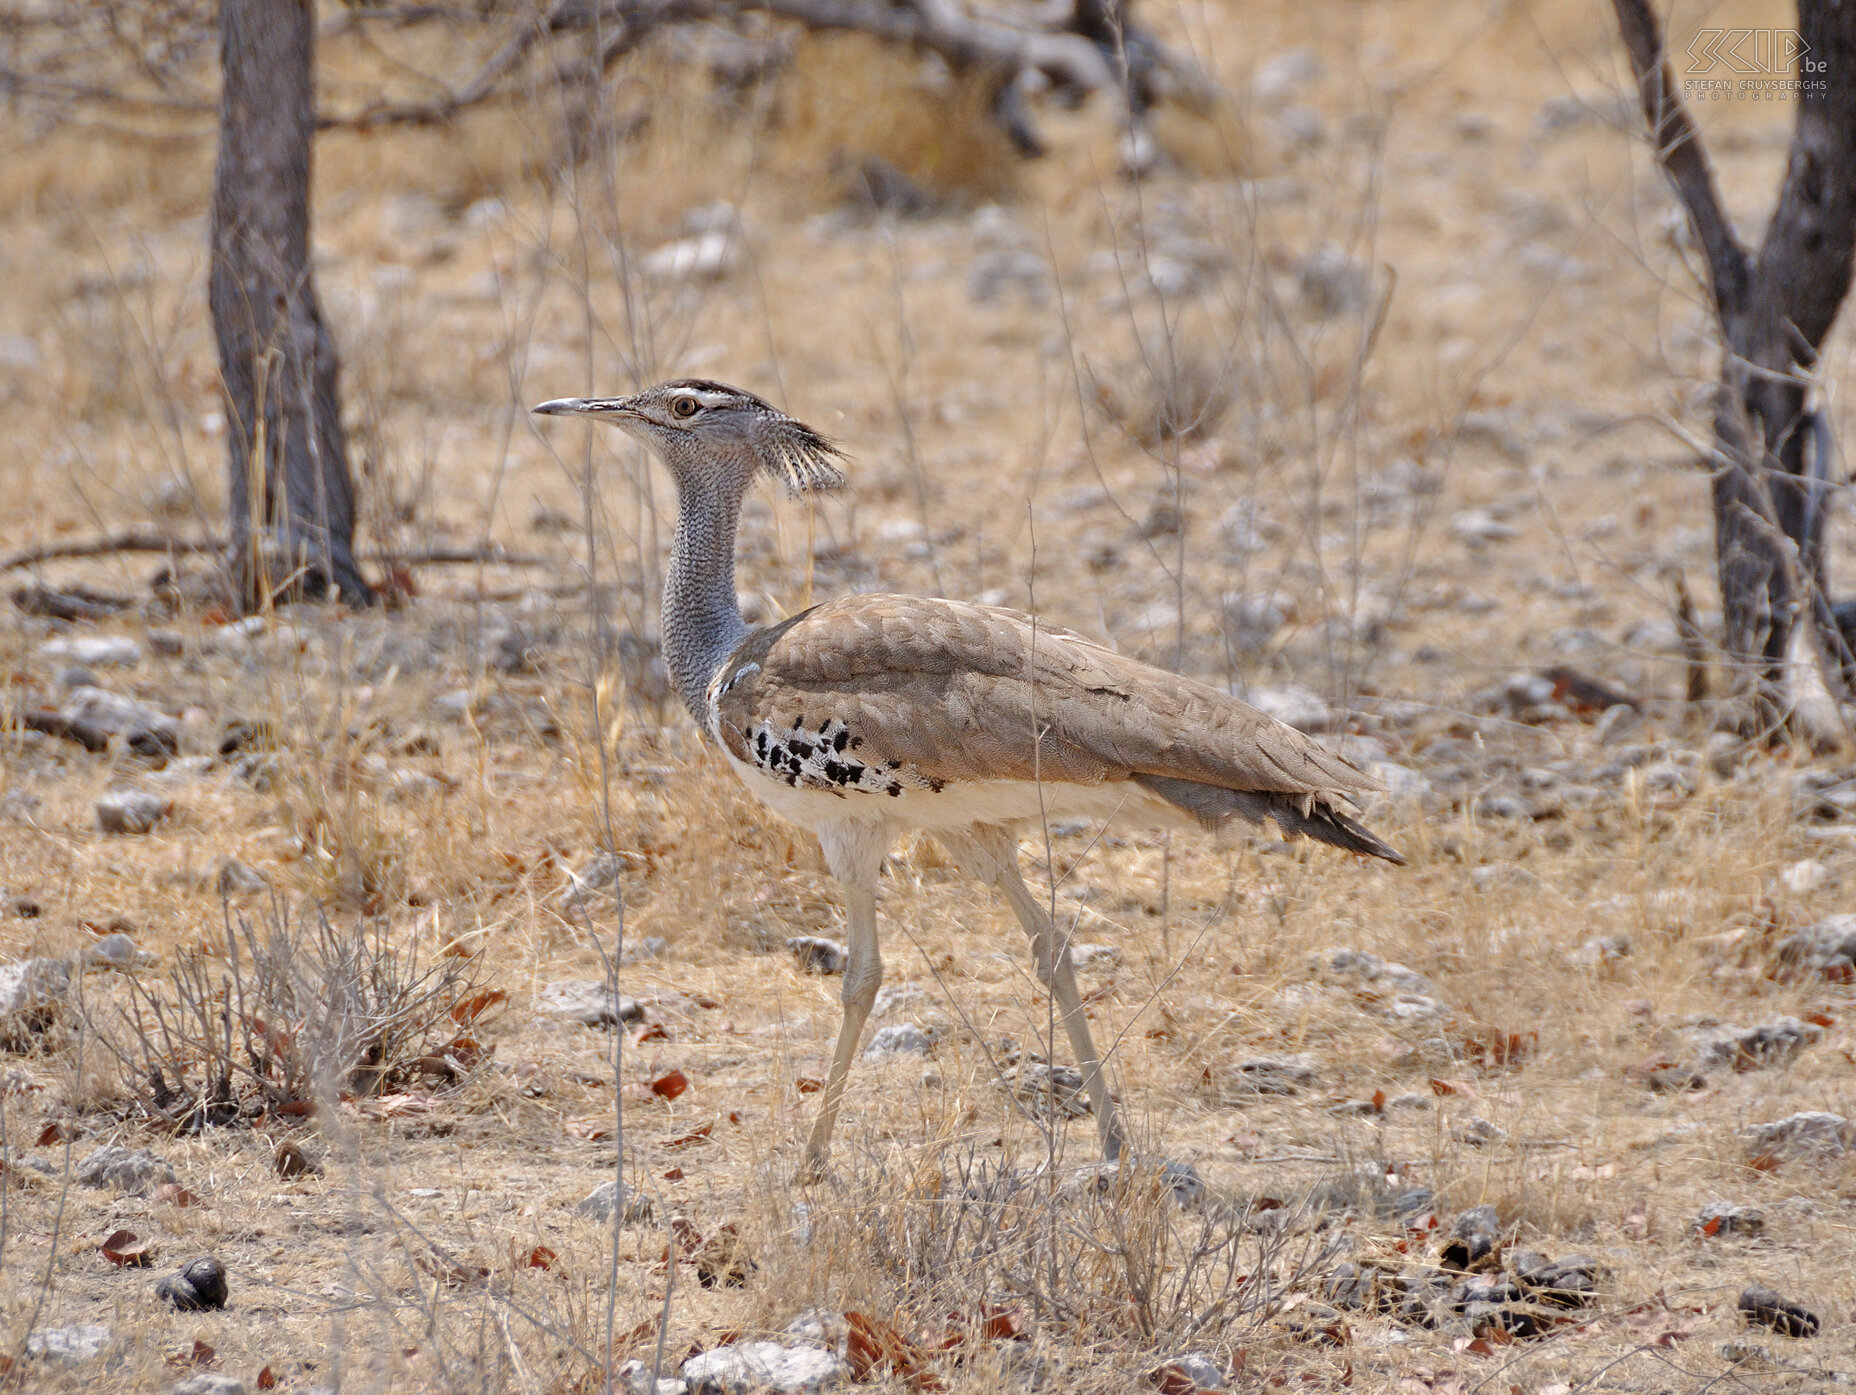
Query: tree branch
[[1804, 263], [1679, 152]]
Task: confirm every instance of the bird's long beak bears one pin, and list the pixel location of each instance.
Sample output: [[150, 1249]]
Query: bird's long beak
[[611, 408]]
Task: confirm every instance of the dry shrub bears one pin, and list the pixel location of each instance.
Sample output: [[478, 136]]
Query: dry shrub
[[1176, 395], [287, 1011], [850, 98], [1105, 1255]]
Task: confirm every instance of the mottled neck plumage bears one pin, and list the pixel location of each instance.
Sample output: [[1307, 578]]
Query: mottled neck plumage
[[702, 622]]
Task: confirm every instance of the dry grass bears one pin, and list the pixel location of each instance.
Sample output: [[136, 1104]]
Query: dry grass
[[1223, 480]]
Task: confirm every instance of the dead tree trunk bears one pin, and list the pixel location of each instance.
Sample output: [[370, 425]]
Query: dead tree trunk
[[1773, 456], [291, 496]]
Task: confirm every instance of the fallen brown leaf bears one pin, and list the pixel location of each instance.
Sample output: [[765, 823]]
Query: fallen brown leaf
[[175, 1195], [808, 1085], [469, 1009], [671, 1085], [126, 1248], [267, 1379], [693, 1136]]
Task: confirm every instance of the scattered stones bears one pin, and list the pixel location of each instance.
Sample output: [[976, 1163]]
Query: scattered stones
[[1568, 1282], [1273, 1075], [994, 275], [144, 729], [764, 1366], [1384, 974], [1827, 948], [132, 811], [130, 1171], [1775, 1043], [209, 1383], [1810, 1131], [1725, 1218], [70, 1344], [168, 644], [1471, 1240], [1771, 1309], [649, 947], [196, 1286], [818, 955], [1478, 1132], [902, 1039], [110, 651], [591, 1002]]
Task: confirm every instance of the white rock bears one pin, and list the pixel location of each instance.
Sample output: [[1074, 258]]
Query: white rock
[[588, 1001], [128, 1171], [1381, 973], [1094, 958], [755, 1366], [209, 1383], [1809, 1131], [116, 951], [709, 256], [70, 1344], [897, 995], [1297, 706], [119, 715], [1804, 877], [132, 811], [117, 650], [635, 1377], [30, 984], [1479, 528], [902, 1039], [600, 1201]]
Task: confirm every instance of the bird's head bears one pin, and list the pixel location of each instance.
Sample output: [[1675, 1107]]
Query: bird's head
[[712, 434]]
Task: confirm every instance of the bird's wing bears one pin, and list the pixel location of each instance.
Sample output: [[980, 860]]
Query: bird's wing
[[943, 691]]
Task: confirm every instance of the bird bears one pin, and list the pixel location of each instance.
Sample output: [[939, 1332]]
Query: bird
[[869, 716]]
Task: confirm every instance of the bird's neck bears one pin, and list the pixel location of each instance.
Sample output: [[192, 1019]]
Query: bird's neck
[[702, 623]]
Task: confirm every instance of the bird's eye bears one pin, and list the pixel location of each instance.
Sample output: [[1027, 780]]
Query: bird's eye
[[684, 407]]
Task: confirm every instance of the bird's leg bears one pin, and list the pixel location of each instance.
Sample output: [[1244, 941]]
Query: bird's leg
[[862, 976], [991, 855]]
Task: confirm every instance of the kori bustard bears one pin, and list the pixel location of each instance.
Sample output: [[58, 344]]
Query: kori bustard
[[869, 715]]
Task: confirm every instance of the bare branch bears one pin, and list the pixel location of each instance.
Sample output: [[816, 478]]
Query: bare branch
[[964, 41], [1679, 152], [1805, 261]]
